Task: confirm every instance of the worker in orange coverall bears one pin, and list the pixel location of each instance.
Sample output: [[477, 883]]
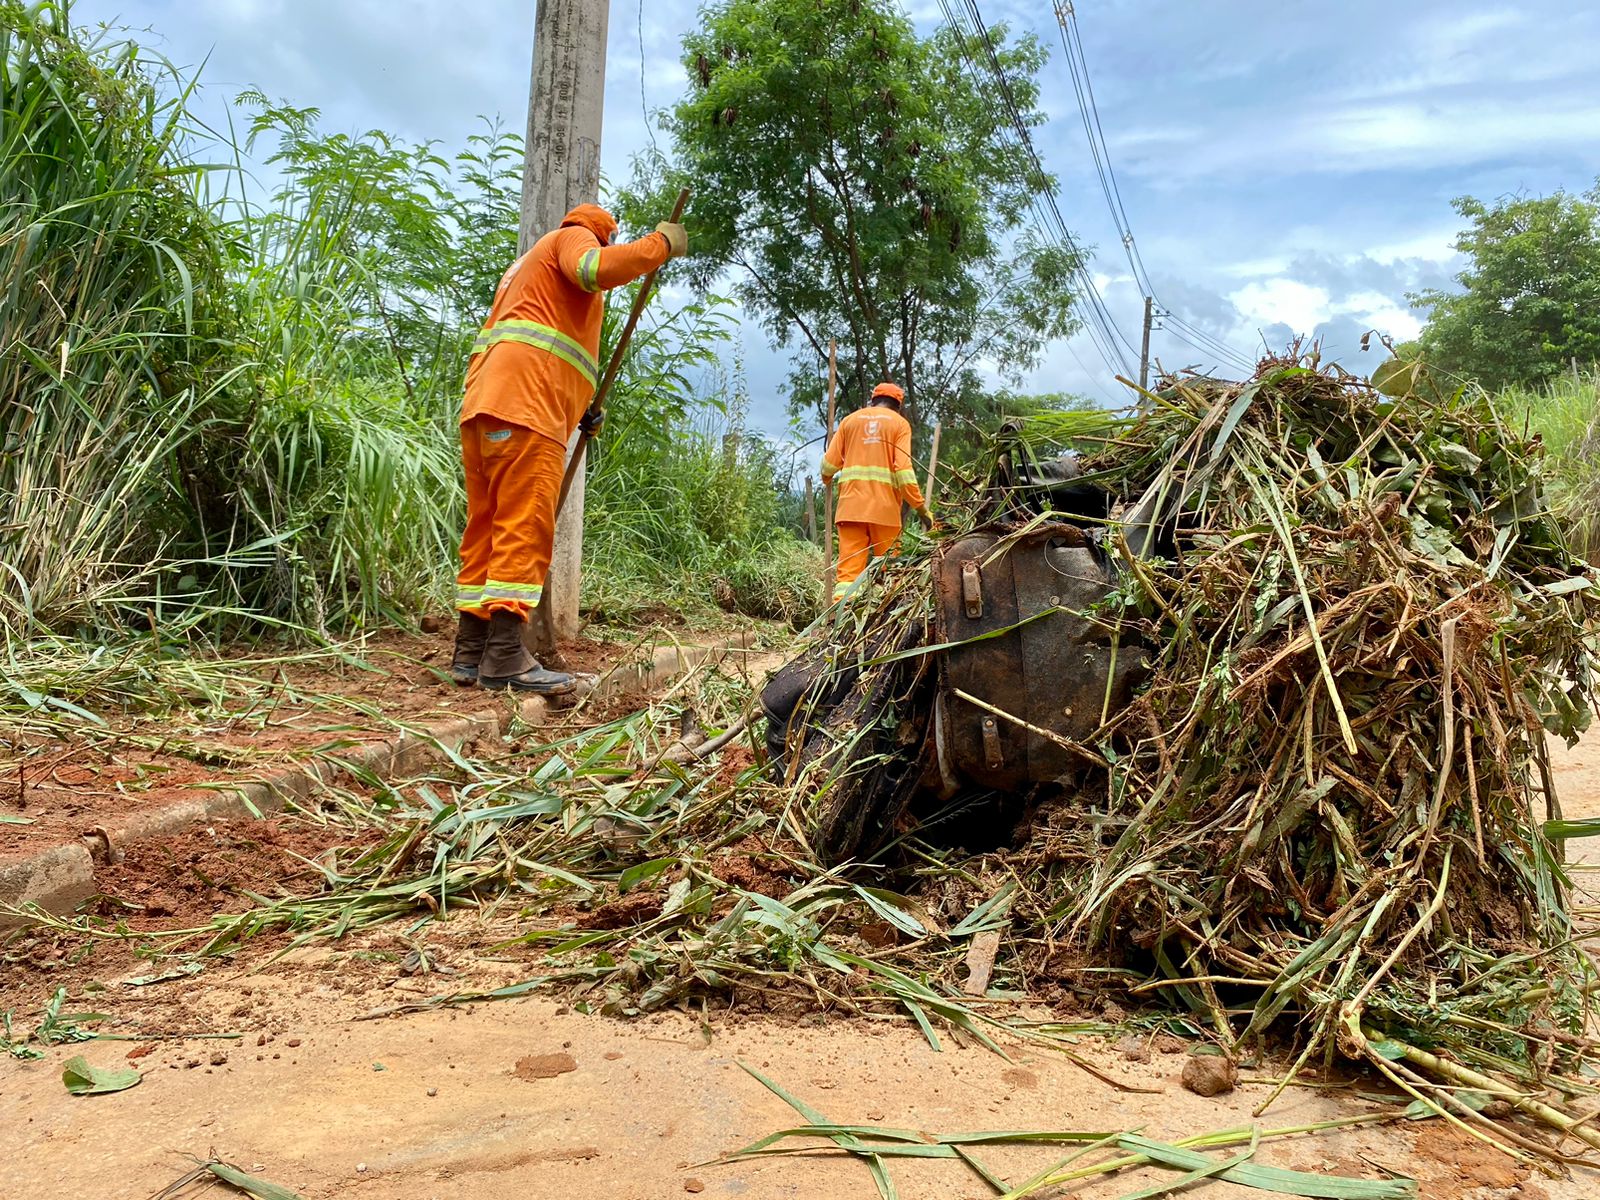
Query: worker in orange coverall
[[870, 458], [533, 371]]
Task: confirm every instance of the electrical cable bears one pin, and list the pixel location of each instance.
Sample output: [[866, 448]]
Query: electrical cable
[[1102, 330]]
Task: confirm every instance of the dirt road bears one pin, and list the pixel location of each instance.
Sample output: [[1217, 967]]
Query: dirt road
[[528, 1099]]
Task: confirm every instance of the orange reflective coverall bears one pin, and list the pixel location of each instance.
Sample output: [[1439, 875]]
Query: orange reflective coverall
[[870, 457], [533, 371]]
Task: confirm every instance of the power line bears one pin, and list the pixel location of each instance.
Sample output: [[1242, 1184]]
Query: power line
[[1107, 338], [1094, 134]]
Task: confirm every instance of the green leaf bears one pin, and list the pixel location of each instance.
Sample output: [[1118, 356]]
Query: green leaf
[[640, 872], [1236, 412], [249, 1184], [1272, 1179], [81, 1079]]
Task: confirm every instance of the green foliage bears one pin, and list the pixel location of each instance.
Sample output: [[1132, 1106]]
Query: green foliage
[[856, 178], [781, 581], [677, 486], [113, 308], [1565, 413], [1531, 295]]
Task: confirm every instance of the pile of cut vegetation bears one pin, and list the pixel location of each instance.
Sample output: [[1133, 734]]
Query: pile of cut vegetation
[[1328, 808], [1330, 797]]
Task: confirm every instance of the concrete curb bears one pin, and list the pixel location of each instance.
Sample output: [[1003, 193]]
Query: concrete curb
[[61, 877]]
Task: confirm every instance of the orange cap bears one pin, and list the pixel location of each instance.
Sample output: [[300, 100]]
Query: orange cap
[[892, 390], [593, 218]]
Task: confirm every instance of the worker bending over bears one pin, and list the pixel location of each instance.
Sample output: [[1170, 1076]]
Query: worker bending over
[[533, 371], [870, 457]]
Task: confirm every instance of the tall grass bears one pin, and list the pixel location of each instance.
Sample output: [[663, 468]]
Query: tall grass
[[114, 309], [1566, 415], [684, 505]]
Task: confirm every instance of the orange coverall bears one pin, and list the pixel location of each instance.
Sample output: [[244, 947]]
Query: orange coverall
[[533, 371], [870, 456]]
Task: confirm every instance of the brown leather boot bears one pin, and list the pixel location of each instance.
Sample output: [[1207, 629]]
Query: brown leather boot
[[471, 633], [506, 662]]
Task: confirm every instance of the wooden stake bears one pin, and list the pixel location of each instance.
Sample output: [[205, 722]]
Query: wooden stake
[[933, 464], [811, 511], [827, 487]]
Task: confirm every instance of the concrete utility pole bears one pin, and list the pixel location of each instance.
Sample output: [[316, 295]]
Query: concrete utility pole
[[562, 170], [1144, 348]]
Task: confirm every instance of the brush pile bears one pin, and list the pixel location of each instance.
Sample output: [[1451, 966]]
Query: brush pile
[[1330, 796]]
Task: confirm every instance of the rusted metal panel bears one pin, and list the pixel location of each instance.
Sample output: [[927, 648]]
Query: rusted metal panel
[[1050, 673]]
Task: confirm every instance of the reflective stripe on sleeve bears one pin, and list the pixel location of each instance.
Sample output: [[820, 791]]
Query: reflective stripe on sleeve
[[904, 478], [589, 270]]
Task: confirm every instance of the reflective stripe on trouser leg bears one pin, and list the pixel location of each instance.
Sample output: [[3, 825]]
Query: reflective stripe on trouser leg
[[523, 593]]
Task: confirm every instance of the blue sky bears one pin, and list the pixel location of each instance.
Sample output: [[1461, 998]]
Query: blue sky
[[1286, 166]]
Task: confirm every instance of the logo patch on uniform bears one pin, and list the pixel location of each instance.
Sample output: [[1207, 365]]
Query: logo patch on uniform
[[498, 435]]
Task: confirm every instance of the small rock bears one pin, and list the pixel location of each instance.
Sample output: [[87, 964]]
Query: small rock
[[292, 1043], [874, 1114], [1498, 1110], [693, 1185], [1134, 1049], [1113, 1013], [433, 1091], [1210, 1074], [1169, 1043], [261, 1039], [613, 1055], [361, 1168], [191, 1063], [219, 1057], [432, 623]]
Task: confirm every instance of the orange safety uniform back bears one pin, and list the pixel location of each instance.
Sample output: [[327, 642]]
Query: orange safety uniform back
[[870, 456], [536, 360]]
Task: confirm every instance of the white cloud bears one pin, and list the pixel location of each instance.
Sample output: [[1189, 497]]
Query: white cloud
[[1297, 305]]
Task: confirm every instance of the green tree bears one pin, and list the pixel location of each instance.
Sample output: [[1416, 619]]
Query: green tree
[[1530, 298], [857, 181]]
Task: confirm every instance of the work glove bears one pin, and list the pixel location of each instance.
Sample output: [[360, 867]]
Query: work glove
[[592, 422], [677, 238], [927, 520]]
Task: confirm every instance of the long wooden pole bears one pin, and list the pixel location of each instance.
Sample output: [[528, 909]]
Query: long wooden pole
[[933, 463], [827, 486], [597, 407]]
